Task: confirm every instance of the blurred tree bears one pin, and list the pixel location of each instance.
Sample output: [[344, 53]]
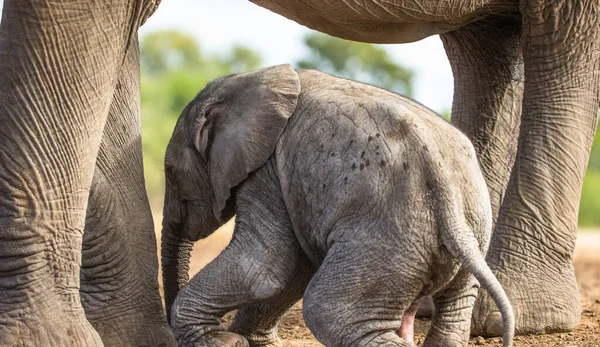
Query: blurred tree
[[163, 51], [589, 207], [357, 61], [243, 59]]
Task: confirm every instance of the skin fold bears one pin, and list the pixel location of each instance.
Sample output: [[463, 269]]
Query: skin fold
[[361, 199], [526, 94]]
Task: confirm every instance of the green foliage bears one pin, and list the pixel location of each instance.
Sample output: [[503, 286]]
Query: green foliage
[[243, 59], [357, 61], [447, 115], [589, 206], [163, 51]]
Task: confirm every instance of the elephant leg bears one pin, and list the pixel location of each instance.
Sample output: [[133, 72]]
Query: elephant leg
[[259, 264], [450, 325], [532, 247], [58, 71], [119, 288], [488, 88], [248, 271], [258, 322], [359, 294]]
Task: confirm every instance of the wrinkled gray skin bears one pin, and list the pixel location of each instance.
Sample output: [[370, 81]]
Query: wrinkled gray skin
[[71, 161], [357, 197], [62, 69]]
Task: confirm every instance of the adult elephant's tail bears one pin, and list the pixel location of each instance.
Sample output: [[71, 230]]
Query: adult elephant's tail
[[175, 258]]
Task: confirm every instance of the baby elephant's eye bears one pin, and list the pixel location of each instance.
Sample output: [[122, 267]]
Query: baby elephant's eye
[[170, 174], [201, 121], [208, 113]]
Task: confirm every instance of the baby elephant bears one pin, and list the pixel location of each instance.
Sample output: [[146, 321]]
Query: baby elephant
[[357, 199]]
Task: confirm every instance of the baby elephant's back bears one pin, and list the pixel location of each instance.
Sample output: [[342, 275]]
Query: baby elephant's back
[[351, 149]]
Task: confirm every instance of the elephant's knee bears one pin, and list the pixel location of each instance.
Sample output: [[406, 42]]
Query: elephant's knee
[[318, 317], [265, 287]]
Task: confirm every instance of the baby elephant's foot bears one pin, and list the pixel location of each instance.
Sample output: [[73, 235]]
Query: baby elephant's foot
[[272, 342], [218, 339], [263, 338]]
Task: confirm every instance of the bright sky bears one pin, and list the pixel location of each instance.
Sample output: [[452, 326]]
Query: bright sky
[[218, 24]]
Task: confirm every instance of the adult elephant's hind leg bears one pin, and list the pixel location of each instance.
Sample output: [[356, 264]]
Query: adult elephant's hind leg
[[119, 288], [488, 89], [532, 247]]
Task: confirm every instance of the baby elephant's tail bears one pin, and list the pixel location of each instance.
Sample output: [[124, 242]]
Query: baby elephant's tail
[[461, 242], [459, 238]]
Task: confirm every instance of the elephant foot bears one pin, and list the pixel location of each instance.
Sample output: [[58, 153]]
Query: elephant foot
[[133, 330], [264, 339], [126, 319], [544, 301], [51, 328], [216, 339]]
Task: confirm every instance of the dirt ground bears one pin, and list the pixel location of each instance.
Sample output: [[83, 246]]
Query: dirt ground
[[294, 333]]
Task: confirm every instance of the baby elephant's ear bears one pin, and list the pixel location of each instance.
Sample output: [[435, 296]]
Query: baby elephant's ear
[[246, 125]]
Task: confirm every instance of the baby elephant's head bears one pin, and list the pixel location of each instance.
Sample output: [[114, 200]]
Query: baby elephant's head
[[227, 131]]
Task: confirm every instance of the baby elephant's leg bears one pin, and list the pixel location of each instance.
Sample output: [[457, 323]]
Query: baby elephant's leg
[[358, 296], [258, 264], [258, 322], [450, 325]]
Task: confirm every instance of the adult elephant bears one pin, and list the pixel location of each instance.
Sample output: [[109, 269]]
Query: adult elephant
[[70, 160], [69, 96]]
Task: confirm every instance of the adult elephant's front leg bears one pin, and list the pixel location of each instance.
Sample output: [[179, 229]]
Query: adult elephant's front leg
[[119, 288], [534, 240], [58, 67]]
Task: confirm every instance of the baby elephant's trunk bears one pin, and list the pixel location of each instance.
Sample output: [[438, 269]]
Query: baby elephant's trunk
[[175, 258]]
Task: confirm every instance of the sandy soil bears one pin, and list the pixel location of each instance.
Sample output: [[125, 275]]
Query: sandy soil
[[587, 268]]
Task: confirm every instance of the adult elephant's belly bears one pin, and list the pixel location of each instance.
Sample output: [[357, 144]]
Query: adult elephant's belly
[[386, 21]]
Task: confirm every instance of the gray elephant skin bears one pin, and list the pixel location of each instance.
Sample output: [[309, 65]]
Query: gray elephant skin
[[361, 199], [77, 253]]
